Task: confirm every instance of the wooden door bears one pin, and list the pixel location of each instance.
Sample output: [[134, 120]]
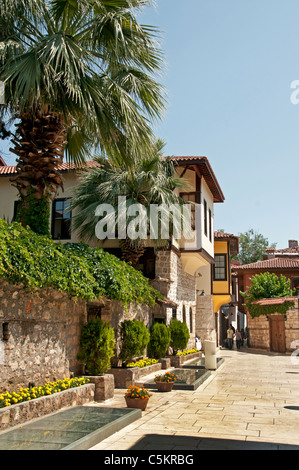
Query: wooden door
[[277, 334]]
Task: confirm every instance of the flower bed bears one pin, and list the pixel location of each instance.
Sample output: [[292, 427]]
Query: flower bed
[[26, 394], [179, 359], [186, 353], [34, 408], [142, 363]]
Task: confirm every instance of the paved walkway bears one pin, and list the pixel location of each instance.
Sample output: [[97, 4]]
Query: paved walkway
[[243, 405]]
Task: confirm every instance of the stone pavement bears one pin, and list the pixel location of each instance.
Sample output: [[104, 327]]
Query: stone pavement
[[243, 405]]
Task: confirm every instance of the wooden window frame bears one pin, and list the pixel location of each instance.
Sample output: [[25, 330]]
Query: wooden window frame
[[53, 219], [218, 255]]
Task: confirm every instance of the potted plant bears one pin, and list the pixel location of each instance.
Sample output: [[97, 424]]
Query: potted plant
[[165, 382], [137, 397]]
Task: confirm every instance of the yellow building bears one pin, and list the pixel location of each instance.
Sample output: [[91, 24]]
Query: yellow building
[[226, 245]]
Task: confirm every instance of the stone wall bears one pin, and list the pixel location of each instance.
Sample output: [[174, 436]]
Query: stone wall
[[259, 330], [39, 336], [181, 289]]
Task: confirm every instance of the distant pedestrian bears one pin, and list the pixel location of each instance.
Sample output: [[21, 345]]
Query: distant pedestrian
[[197, 343], [238, 339], [243, 335], [230, 336]]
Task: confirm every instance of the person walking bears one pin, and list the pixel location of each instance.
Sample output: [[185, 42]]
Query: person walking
[[238, 339], [230, 336], [243, 335]]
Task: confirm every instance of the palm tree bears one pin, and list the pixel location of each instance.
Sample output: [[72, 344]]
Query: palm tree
[[78, 77], [148, 181]]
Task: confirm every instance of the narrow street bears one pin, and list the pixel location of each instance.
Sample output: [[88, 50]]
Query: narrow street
[[251, 402]]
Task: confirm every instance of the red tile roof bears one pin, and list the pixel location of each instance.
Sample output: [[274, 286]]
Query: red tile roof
[[274, 263], [201, 163], [294, 249], [224, 235], [9, 170], [274, 301], [2, 162]]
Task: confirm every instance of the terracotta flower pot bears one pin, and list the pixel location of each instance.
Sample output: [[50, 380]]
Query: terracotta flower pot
[[140, 403], [164, 386]]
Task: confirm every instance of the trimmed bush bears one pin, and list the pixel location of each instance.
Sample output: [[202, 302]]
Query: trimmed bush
[[179, 335], [97, 346], [134, 338], [159, 340]]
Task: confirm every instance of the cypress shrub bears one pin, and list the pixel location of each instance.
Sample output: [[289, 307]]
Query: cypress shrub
[[159, 340], [179, 335], [134, 338], [96, 346]]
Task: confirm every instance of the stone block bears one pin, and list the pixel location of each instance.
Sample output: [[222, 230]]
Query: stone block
[[104, 387]]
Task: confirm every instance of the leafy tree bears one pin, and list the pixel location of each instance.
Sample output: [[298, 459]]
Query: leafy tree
[[265, 286], [78, 76], [96, 346], [252, 247], [159, 340], [179, 335], [268, 285], [150, 180]]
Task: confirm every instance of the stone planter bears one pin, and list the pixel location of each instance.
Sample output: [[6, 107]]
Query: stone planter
[[164, 386], [124, 377], [104, 386], [177, 361], [26, 411], [140, 403]]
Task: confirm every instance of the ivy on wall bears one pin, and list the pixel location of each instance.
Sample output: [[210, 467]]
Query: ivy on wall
[[88, 273], [258, 310]]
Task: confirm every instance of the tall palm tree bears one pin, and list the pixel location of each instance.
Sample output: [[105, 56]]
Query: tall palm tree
[[148, 181], [78, 76]]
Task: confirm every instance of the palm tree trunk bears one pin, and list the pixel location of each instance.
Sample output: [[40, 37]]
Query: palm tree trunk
[[132, 252], [39, 144]]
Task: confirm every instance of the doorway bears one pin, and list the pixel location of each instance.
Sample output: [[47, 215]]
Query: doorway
[[277, 333]]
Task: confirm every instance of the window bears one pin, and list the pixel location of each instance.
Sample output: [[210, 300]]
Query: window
[[61, 219], [15, 210], [191, 320], [210, 225], [220, 270], [93, 312], [174, 313], [205, 217], [191, 199], [184, 314]]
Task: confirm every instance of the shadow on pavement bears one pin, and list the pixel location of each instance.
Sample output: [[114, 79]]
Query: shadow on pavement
[[156, 442]]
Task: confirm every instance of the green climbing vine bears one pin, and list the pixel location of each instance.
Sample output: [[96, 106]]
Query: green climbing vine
[[37, 261]]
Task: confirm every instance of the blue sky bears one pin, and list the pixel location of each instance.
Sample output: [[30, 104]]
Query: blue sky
[[229, 67]]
